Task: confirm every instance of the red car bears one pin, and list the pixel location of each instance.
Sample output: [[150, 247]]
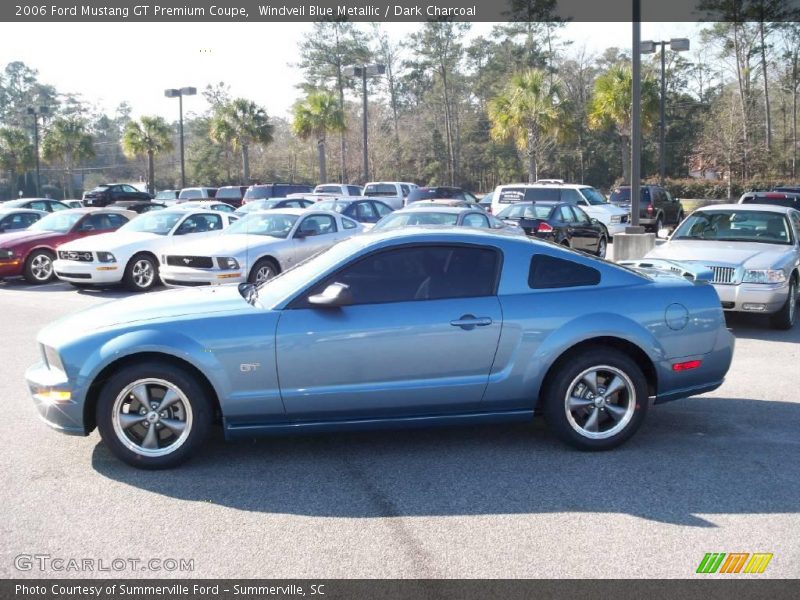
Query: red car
[[30, 253]]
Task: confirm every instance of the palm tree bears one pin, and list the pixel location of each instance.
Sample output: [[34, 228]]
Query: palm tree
[[240, 123], [316, 116], [16, 153], [526, 112], [611, 106], [148, 136], [67, 142]]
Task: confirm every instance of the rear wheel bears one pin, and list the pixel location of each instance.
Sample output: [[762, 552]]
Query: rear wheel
[[596, 399], [602, 247], [153, 416], [659, 224], [785, 317], [39, 267], [141, 273]]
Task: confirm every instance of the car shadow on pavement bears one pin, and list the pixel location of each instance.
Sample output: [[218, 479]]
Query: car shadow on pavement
[[111, 292], [693, 459], [757, 327]]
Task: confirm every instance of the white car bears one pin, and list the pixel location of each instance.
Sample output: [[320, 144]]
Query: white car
[[257, 248], [593, 203], [338, 189], [129, 255]]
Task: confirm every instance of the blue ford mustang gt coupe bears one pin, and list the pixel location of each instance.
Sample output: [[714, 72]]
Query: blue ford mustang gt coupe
[[399, 328]]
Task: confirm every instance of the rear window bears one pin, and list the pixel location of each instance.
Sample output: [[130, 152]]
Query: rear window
[[256, 192], [548, 272], [443, 193], [229, 193], [380, 189], [100, 188], [526, 211], [281, 190], [328, 189], [623, 195], [772, 200]]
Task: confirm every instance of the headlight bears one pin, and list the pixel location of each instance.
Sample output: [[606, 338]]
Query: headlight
[[106, 257], [52, 358], [6, 254], [764, 276], [227, 262], [616, 218]]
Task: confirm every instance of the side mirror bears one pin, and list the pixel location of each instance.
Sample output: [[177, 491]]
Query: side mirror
[[300, 234], [336, 294], [663, 234], [595, 221]]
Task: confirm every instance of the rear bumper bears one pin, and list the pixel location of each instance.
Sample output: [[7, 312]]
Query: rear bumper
[[759, 297], [55, 399]]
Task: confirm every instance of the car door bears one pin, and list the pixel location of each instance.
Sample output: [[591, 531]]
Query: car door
[[418, 339], [565, 219], [586, 230], [312, 234]]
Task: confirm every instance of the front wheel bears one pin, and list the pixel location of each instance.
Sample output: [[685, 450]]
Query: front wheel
[[39, 267], [153, 416], [785, 317], [602, 247], [264, 270], [596, 400], [141, 273]]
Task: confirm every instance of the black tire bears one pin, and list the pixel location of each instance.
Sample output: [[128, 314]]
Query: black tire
[[39, 267], [786, 316], [659, 224], [138, 277], [630, 403], [123, 441], [602, 247], [263, 265]]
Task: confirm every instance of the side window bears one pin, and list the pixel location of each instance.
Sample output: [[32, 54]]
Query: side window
[[364, 212], [565, 214], [381, 209], [116, 221], [39, 205], [420, 273], [469, 197], [548, 272], [581, 216], [318, 225], [353, 190], [94, 223], [129, 189], [475, 220], [349, 223], [645, 195], [795, 216], [406, 190], [55, 206], [200, 224], [572, 197]]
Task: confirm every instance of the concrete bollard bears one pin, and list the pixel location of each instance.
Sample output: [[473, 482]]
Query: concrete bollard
[[630, 246]]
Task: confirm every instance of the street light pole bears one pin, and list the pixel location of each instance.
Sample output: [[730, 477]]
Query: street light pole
[[362, 72], [41, 113], [636, 117], [180, 93]]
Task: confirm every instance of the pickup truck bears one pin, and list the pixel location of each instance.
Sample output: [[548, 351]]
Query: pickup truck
[[392, 193]]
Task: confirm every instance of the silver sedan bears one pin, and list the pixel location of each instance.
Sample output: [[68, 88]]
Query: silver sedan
[[256, 248], [753, 251]]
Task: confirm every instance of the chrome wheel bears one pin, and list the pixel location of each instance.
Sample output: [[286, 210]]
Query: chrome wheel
[[602, 247], [152, 417], [600, 402], [42, 267], [792, 302], [264, 273], [143, 273]]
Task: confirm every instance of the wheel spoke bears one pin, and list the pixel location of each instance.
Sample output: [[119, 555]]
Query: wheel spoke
[[142, 396], [590, 379], [616, 412], [150, 440], [174, 424], [592, 422], [615, 386], [575, 402], [169, 399], [129, 420]]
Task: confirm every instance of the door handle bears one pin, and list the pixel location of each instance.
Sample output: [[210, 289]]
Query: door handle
[[468, 322]]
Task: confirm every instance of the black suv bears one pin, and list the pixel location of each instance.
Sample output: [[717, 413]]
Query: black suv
[[274, 190], [105, 194], [775, 198], [231, 194], [657, 207]]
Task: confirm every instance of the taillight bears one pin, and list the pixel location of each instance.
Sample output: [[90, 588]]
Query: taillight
[[649, 209], [544, 228], [686, 366]]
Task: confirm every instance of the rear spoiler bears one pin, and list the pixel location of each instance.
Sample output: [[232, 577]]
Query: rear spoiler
[[696, 273]]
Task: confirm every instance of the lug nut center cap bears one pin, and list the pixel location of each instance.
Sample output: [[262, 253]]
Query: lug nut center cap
[[152, 417]]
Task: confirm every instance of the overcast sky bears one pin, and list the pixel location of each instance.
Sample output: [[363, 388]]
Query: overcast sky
[[108, 63]]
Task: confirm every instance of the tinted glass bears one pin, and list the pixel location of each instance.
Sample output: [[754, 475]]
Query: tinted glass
[[548, 272], [432, 193], [353, 190], [328, 189], [381, 209], [581, 216], [420, 273], [189, 194], [572, 196], [99, 188], [318, 225], [402, 219], [200, 224], [593, 196], [380, 189], [526, 211], [565, 214], [229, 193], [259, 191]]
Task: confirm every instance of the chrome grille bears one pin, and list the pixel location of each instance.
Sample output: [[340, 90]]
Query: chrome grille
[[722, 274], [198, 262], [75, 255]]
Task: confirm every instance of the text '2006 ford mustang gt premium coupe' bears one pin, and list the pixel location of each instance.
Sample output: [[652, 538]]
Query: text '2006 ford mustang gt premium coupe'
[[398, 328]]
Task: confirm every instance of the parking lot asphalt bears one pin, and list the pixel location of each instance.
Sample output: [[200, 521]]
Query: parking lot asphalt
[[715, 473]]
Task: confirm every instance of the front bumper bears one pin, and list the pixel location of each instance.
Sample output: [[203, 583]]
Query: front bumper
[[11, 267], [55, 399], [187, 276], [615, 228], [88, 272], [753, 297]]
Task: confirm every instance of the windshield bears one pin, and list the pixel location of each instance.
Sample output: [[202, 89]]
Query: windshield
[[380, 189], [58, 222], [593, 196], [333, 205], [168, 195], [160, 222], [402, 219], [735, 226], [526, 211], [257, 205], [272, 224], [258, 191]]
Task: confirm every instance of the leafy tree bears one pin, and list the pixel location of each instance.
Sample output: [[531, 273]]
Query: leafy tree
[[316, 116], [149, 136], [16, 153], [241, 123], [67, 142], [526, 112], [611, 106]]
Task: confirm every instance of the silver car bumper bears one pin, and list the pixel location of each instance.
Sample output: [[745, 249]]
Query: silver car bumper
[[753, 297]]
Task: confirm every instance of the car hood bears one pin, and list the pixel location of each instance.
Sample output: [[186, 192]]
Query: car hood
[[114, 240], [21, 237], [227, 244], [611, 209], [170, 304], [751, 255]]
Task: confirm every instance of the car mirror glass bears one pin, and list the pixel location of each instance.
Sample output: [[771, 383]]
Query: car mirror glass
[[663, 234], [336, 294]]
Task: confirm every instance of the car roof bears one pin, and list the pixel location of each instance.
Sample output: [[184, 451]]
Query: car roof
[[457, 210], [572, 186], [22, 209], [294, 211], [750, 207]]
